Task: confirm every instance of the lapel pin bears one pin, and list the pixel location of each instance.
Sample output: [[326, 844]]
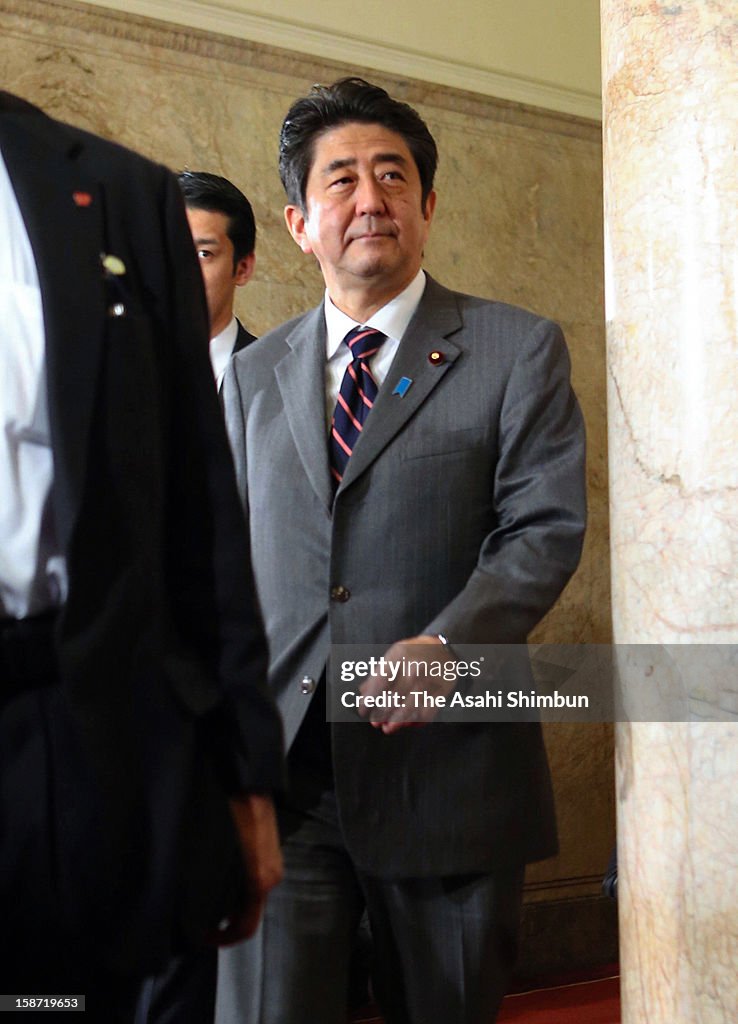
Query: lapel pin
[[82, 198], [402, 386], [436, 358], [113, 264]]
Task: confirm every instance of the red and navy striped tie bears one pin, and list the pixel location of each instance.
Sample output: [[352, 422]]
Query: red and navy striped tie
[[355, 399]]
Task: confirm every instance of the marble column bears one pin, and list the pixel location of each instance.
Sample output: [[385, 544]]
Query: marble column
[[670, 92]]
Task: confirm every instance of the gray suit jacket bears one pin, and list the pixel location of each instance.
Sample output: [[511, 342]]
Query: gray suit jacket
[[462, 512]]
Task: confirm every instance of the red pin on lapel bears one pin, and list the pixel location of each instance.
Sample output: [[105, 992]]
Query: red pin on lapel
[[82, 198], [436, 358]]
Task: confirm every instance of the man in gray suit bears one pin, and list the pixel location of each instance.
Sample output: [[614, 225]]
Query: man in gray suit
[[412, 464]]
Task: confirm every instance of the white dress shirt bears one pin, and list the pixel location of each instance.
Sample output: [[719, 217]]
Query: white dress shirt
[[32, 572], [221, 347], [391, 320]]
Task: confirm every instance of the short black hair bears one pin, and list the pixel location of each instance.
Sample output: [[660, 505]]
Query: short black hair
[[347, 101], [204, 191]]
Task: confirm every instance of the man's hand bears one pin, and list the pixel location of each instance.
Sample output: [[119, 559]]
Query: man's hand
[[416, 690], [256, 825]]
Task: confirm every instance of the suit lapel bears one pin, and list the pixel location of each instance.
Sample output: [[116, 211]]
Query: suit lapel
[[243, 338], [301, 379], [63, 211], [436, 318]]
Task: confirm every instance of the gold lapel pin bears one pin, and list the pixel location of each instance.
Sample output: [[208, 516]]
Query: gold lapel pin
[[113, 264], [436, 358]]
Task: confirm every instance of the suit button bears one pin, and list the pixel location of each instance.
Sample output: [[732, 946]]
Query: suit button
[[340, 593], [307, 685]]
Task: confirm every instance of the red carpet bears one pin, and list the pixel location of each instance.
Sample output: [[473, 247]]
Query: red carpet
[[587, 1002], [590, 1002]]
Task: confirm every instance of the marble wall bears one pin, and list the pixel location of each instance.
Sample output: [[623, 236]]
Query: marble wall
[[518, 218], [670, 94]]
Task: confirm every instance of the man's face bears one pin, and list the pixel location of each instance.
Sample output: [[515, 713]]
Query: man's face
[[215, 252], [363, 221]]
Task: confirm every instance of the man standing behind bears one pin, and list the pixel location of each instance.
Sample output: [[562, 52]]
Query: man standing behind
[[412, 464], [224, 233]]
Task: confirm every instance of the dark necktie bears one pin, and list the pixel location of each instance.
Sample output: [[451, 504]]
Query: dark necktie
[[355, 398]]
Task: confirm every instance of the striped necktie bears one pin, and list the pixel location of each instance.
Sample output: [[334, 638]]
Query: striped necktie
[[355, 398]]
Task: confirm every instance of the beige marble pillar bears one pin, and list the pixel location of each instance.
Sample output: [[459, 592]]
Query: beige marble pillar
[[670, 90]]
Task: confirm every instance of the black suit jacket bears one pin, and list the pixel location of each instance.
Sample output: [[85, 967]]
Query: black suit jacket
[[161, 710], [243, 338]]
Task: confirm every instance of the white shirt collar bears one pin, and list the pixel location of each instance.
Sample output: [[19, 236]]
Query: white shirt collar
[[17, 263], [392, 319], [221, 347]]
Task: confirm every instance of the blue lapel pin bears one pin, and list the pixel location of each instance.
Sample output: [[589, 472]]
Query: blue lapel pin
[[402, 386]]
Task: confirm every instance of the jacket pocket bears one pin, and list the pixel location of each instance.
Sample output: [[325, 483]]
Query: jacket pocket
[[425, 445]]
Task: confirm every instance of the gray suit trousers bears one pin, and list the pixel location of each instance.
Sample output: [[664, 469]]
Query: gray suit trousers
[[443, 948]]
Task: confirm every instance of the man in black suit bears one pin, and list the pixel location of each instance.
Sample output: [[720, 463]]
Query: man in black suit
[[224, 232], [138, 746]]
